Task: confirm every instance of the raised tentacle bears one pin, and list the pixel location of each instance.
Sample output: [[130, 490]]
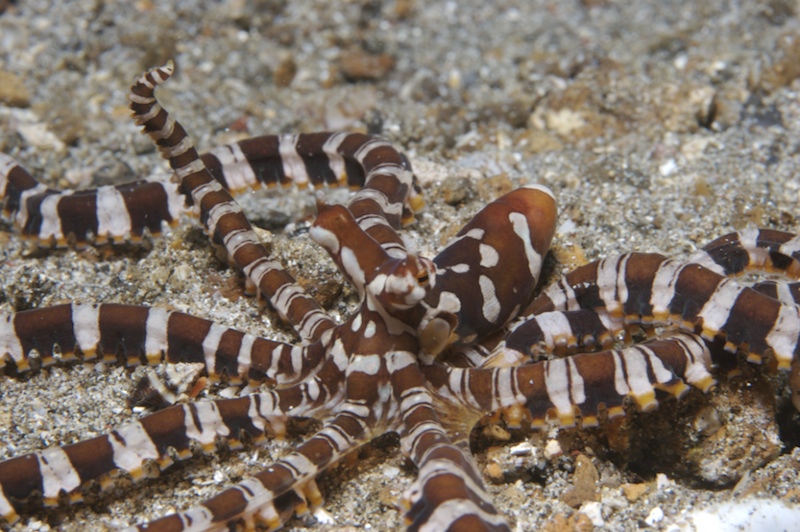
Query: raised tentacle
[[139, 335], [222, 218]]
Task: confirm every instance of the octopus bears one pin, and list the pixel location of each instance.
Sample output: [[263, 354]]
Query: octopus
[[435, 346]]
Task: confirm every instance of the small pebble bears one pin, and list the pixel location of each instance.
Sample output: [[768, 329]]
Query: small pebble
[[634, 491], [594, 511], [655, 516], [552, 450]]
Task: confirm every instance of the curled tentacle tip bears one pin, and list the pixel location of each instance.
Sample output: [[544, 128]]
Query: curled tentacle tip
[[167, 68]]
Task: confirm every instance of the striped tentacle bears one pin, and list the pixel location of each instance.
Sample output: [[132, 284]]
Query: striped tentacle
[[579, 385], [222, 218], [262, 499], [389, 196], [390, 191], [138, 334], [307, 159], [358, 414], [354, 252], [498, 255], [652, 290], [152, 443], [731, 255], [550, 332], [757, 250], [448, 493], [765, 250], [130, 211], [146, 446], [126, 212], [390, 284], [785, 292]]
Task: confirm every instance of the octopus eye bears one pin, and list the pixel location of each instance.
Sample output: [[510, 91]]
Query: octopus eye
[[423, 279]]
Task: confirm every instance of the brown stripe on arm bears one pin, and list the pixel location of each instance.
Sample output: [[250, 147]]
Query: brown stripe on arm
[[226, 356], [348, 147], [750, 322], [694, 287], [309, 148], [31, 224], [123, 332], [639, 279], [264, 158], [215, 168], [726, 255], [77, 215], [773, 243], [770, 289], [185, 336], [786, 293], [20, 478], [150, 205], [43, 330]]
